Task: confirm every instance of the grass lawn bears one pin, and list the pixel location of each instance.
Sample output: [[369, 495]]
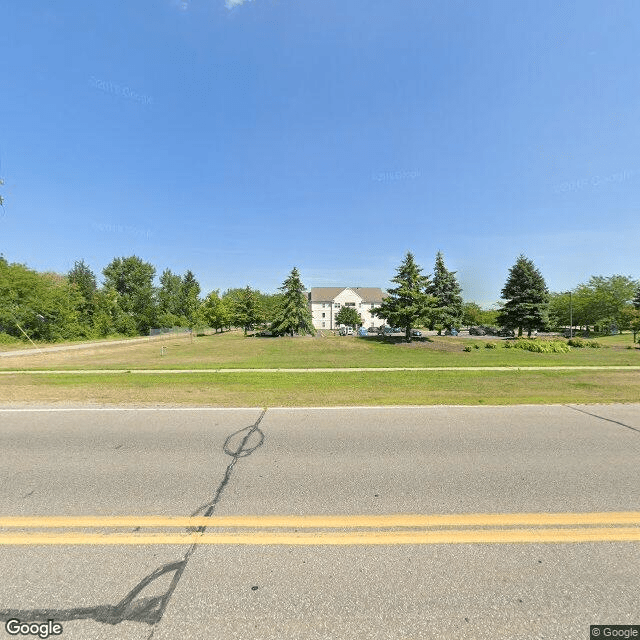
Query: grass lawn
[[233, 350], [321, 389]]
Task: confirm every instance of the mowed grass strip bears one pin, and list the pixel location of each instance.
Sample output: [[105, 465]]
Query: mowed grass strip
[[232, 350], [322, 389]]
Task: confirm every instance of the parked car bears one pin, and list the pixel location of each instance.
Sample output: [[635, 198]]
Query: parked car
[[416, 334], [362, 332], [477, 331], [349, 331], [372, 330]]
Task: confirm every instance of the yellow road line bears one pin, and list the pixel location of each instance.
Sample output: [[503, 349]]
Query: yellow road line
[[496, 536], [328, 521]]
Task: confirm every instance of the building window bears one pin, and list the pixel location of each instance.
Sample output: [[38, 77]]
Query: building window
[[337, 305], [323, 315], [349, 304], [323, 322]]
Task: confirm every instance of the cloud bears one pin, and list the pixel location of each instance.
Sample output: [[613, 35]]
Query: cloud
[[230, 4]]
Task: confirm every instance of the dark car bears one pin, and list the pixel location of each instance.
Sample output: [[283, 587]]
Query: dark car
[[477, 331]]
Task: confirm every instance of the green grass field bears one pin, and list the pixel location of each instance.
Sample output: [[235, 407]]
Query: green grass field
[[233, 350], [321, 389]]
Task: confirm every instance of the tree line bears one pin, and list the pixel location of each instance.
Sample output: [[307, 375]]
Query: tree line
[[604, 303], [52, 307]]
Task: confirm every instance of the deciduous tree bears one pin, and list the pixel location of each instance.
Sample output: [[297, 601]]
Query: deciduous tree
[[349, 317], [132, 279], [247, 311]]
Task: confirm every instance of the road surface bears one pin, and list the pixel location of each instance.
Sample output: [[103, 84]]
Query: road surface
[[382, 523]]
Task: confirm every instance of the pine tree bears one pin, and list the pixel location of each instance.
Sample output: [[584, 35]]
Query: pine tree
[[446, 290], [527, 298], [409, 303], [294, 315]]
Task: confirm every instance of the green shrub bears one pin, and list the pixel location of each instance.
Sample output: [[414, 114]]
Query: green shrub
[[468, 348], [5, 338], [476, 346], [581, 342], [543, 346], [490, 345], [508, 344]]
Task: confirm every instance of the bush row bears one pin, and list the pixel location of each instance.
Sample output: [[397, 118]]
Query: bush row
[[580, 343]]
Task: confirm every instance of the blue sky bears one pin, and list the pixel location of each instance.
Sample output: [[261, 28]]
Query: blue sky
[[240, 139]]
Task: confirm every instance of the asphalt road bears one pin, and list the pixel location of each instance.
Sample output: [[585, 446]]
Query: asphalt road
[[321, 579]]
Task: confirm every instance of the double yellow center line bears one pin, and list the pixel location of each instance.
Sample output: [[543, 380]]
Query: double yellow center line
[[493, 528]]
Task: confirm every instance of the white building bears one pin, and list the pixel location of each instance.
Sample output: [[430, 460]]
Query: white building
[[325, 304]]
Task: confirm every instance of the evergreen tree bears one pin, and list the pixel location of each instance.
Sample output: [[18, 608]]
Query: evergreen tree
[[409, 303], [445, 289], [527, 298], [294, 315]]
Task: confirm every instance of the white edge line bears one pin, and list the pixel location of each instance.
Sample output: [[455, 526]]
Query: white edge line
[[430, 407]]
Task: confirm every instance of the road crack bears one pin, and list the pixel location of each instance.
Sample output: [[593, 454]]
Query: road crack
[[150, 609]]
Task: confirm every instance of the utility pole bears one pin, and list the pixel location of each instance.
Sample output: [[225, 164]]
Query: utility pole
[[570, 315]]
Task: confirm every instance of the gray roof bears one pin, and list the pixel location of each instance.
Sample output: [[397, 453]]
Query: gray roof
[[327, 294]]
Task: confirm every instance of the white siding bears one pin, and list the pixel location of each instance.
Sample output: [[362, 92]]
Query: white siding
[[331, 308]]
